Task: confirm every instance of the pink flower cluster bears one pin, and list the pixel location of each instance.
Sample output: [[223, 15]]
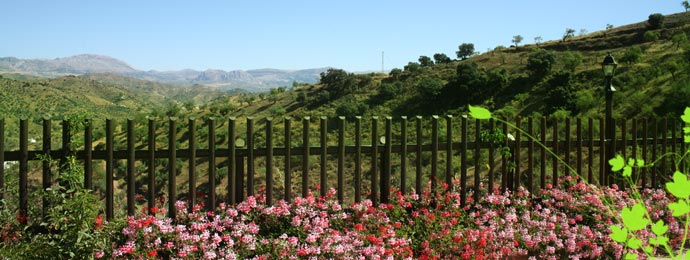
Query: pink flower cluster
[[570, 221], [306, 228]]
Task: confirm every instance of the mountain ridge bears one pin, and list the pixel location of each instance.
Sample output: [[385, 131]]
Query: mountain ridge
[[252, 80]]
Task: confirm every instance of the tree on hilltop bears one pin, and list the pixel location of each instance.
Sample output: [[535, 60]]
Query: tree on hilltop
[[655, 21], [517, 39], [441, 58], [425, 61], [686, 5], [569, 33], [537, 40], [465, 50]]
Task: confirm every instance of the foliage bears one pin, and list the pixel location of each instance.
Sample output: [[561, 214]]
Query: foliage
[[641, 210], [540, 62], [639, 217], [429, 89], [351, 109], [412, 67], [538, 40], [517, 39], [676, 99], [465, 51], [338, 82], [441, 58], [569, 33], [73, 227], [655, 21], [425, 61], [632, 55], [389, 91], [571, 59], [679, 38], [395, 73], [650, 36]]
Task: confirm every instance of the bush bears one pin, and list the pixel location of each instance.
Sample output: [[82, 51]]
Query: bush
[[540, 62], [351, 109], [655, 21], [73, 227], [390, 91], [650, 36]]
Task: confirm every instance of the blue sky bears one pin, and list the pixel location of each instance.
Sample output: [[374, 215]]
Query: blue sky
[[243, 34]]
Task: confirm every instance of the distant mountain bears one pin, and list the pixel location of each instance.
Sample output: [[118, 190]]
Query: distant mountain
[[253, 80]]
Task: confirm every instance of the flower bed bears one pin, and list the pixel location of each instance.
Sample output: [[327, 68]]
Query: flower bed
[[570, 221]]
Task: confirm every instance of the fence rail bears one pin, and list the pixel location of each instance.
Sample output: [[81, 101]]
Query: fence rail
[[464, 146]]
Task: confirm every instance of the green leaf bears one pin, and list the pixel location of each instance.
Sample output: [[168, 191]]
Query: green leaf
[[640, 162], [634, 243], [618, 234], [686, 129], [659, 241], [479, 112], [627, 171], [680, 187], [649, 250], [633, 218], [630, 256], [679, 208], [659, 228], [617, 163], [686, 116]]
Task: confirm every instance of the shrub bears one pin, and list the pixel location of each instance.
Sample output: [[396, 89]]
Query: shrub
[[650, 36], [351, 109]]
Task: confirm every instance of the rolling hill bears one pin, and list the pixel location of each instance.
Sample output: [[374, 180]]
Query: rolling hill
[[252, 80], [555, 78]]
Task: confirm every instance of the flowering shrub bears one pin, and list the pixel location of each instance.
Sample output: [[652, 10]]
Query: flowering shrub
[[71, 228]]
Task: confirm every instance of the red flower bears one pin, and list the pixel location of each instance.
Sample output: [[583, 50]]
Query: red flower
[[359, 227], [99, 221], [152, 253], [154, 210], [22, 218]]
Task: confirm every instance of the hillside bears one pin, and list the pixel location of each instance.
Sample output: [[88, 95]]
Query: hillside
[[95, 96], [252, 80], [555, 78]]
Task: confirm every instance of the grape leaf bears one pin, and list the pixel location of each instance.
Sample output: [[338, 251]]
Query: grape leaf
[[630, 256], [679, 208], [634, 243], [633, 218], [659, 241], [617, 163], [680, 187], [649, 250], [659, 228], [627, 171], [479, 112], [618, 234]]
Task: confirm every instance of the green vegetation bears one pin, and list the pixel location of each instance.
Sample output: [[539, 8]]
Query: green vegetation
[[654, 59]]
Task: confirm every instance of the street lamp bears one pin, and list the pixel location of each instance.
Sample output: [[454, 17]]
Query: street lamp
[[609, 67]]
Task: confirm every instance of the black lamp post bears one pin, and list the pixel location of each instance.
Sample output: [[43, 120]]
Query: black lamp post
[[609, 67]]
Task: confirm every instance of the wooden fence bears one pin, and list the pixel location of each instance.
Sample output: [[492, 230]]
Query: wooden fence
[[461, 149]]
